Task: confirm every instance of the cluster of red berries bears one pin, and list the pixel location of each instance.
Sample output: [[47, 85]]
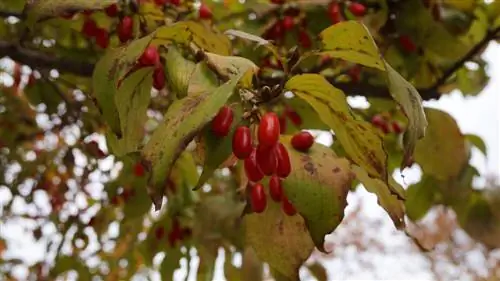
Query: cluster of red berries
[[269, 158], [177, 233], [407, 44], [287, 23], [387, 126], [335, 10], [292, 115], [151, 57]]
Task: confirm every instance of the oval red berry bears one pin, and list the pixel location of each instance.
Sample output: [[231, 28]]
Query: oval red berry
[[251, 168], [150, 56], [284, 166], [396, 127], [139, 169], [125, 29], [275, 188], [242, 142], [288, 22], [159, 78], [294, 117], [258, 198], [357, 9], [269, 130], [267, 160], [288, 207], [205, 12], [111, 10], [102, 38], [222, 121], [302, 141]]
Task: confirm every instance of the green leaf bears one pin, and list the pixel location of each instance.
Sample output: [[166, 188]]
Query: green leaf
[[318, 187], [132, 101], [207, 255], [318, 271], [170, 263], [471, 82], [44, 92], [387, 198], [257, 39], [202, 80], [231, 66], [442, 153], [420, 197], [310, 118], [478, 142], [184, 119], [179, 71], [480, 221], [361, 141], [278, 239]]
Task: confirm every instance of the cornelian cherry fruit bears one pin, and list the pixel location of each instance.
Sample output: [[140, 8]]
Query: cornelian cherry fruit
[[267, 160], [357, 9], [111, 10], [407, 44], [139, 169], [334, 13], [396, 127], [275, 188], [293, 116], [304, 39], [102, 38], [252, 170], [288, 22], [205, 12], [269, 130], [150, 57], [302, 141], [378, 120], [288, 207], [159, 78], [258, 198], [282, 124], [161, 2], [284, 166], [222, 121], [89, 28], [125, 29], [242, 142]]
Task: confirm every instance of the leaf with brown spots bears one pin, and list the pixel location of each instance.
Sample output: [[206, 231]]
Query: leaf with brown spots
[[280, 240], [361, 141], [179, 71], [318, 187], [183, 120]]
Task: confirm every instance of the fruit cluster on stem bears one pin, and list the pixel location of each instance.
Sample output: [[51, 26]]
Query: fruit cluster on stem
[[386, 125]]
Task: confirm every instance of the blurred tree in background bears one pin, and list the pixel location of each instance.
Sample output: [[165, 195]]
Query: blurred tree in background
[[143, 133]]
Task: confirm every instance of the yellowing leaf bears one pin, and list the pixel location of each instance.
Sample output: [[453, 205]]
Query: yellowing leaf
[[442, 153], [463, 5], [361, 141], [278, 239], [390, 201], [477, 142], [202, 80], [230, 66], [39, 9], [318, 187], [184, 119], [179, 71]]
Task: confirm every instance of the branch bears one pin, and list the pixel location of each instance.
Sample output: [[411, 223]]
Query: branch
[[38, 59]]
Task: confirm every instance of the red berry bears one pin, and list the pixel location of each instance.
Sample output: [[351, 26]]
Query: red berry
[[302, 141], [396, 127], [284, 166], [275, 32], [89, 28], [279, 2], [159, 232], [407, 44], [252, 170], [159, 78], [288, 23], [175, 2], [282, 124], [125, 29], [258, 198], [378, 120], [269, 130], [111, 10], [275, 189], [304, 39], [357, 9], [139, 170], [267, 160], [242, 142], [205, 12], [355, 73], [334, 13], [287, 206], [175, 233], [102, 38], [293, 116], [222, 121], [150, 57], [160, 2]]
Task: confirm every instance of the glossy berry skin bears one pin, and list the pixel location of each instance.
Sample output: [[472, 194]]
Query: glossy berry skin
[[396, 127], [252, 170], [242, 142], [279, 2], [282, 124], [284, 165], [150, 57], [275, 188], [302, 141], [378, 120], [205, 12], [357, 9], [269, 130], [159, 78], [258, 198], [89, 28], [304, 39], [160, 2], [102, 38], [294, 117], [407, 44], [125, 29], [334, 13], [288, 23], [139, 170], [111, 10], [287, 207], [222, 121], [267, 160]]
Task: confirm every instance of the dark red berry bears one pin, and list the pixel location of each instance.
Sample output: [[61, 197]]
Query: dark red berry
[[89, 28], [150, 57], [288, 23], [242, 142], [222, 121], [334, 13], [175, 2], [159, 78], [302, 141], [304, 39], [252, 170], [175, 232], [160, 2], [282, 124], [355, 73], [287, 206], [139, 169], [102, 38], [357, 9], [111, 10], [258, 198], [205, 12], [159, 232], [125, 29], [293, 116], [275, 32], [269, 130], [284, 166], [275, 188], [407, 44], [378, 120], [279, 2], [267, 159], [396, 127]]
